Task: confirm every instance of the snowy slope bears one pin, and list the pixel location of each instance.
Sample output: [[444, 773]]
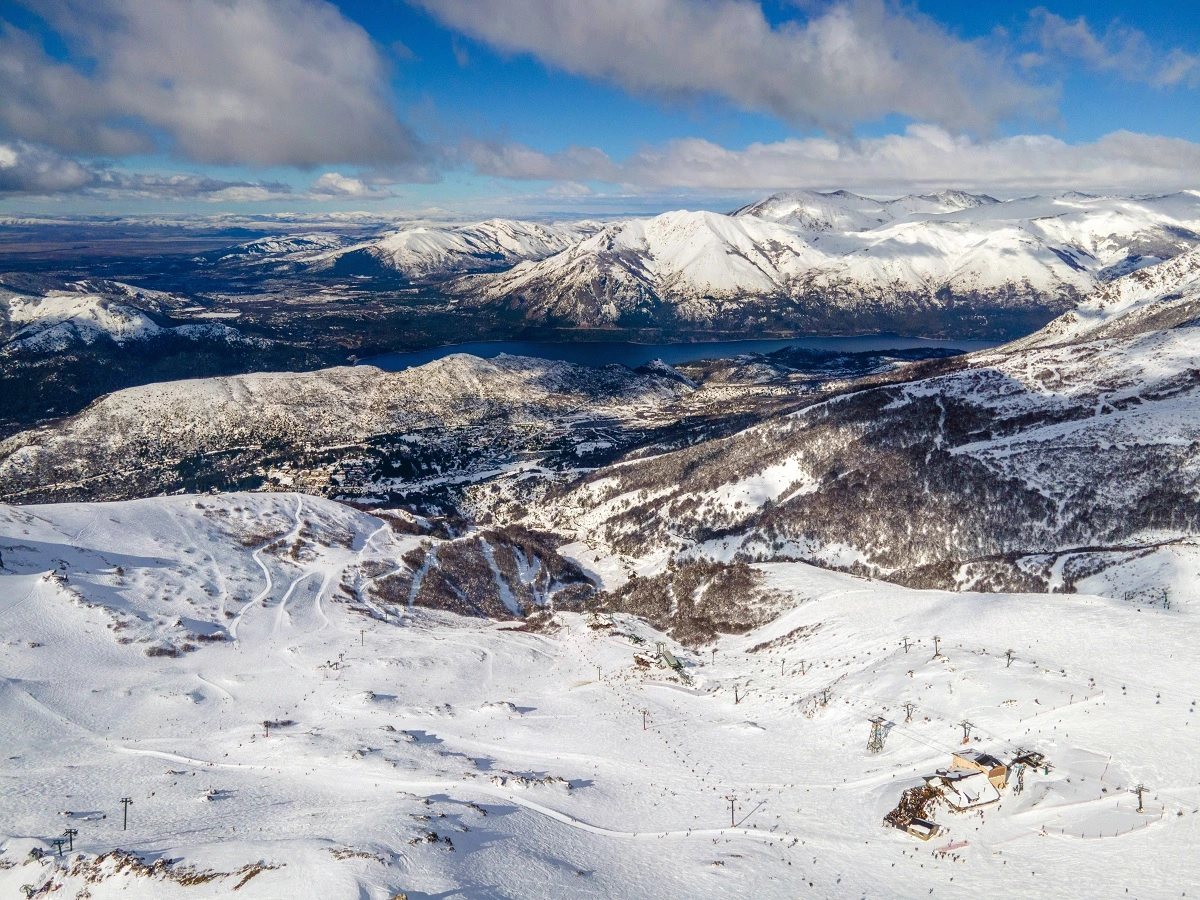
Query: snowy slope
[[60, 319], [1162, 296], [689, 256], [281, 248], [844, 211], [431, 755]]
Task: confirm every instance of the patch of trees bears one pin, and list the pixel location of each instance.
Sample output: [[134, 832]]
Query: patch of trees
[[695, 600]]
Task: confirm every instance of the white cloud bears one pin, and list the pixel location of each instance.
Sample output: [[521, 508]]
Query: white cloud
[[1121, 49], [849, 61], [31, 170], [925, 157], [261, 82], [26, 169], [513, 160], [568, 190], [334, 185], [112, 184], [37, 171]]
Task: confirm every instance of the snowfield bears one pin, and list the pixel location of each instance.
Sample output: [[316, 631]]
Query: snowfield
[[221, 661]]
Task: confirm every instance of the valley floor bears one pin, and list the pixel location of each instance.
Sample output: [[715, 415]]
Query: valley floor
[[421, 753]]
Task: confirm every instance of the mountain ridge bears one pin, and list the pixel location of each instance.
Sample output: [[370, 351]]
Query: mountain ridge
[[993, 468], [819, 265]]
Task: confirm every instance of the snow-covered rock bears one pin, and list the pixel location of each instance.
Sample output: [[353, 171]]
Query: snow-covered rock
[[60, 320]]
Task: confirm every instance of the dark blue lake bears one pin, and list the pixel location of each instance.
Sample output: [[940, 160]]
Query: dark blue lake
[[634, 355]]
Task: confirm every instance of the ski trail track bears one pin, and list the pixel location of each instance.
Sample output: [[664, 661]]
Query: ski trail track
[[261, 598], [460, 791]]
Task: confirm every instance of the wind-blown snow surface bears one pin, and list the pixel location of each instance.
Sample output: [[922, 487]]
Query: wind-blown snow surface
[[1159, 297], [439, 756]]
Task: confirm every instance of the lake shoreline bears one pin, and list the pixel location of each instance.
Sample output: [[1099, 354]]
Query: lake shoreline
[[633, 354]]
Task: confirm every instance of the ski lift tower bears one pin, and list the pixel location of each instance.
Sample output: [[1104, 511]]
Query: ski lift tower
[[878, 734]]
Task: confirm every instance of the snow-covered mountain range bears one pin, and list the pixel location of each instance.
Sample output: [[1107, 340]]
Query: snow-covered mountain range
[[1035, 464], [846, 262], [948, 263], [417, 251], [844, 211]]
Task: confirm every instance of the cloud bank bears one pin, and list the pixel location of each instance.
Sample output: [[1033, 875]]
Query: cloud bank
[[923, 157], [29, 170], [226, 82], [853, 61]]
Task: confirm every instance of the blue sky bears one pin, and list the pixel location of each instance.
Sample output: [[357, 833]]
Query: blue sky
[[546, 106], [537, 104]]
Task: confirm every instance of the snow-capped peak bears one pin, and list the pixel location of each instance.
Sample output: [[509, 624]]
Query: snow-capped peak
[[815, 211]]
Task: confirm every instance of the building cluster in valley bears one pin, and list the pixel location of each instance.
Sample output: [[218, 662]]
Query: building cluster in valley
[[974, 779]]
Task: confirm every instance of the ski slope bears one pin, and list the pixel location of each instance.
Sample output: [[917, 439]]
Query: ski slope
[[523, 752]]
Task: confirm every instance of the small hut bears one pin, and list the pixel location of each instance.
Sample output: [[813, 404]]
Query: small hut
[[923, 828], [996, 771]]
